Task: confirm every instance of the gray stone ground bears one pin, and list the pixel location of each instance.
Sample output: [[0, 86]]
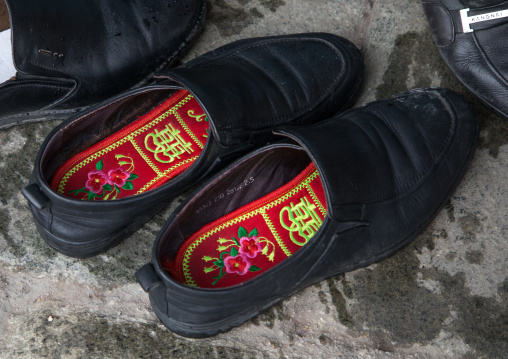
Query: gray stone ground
[[443, 296]]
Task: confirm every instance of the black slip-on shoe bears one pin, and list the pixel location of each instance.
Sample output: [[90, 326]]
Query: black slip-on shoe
[[102, 174], [71, 54], [346, 193], [472, 36]]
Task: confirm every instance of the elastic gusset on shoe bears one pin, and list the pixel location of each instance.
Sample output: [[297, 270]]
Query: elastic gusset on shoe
[[254, 238], [143, 155]]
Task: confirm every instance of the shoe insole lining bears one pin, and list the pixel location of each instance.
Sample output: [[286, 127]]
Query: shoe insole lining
[[141, 156], [254, 238]]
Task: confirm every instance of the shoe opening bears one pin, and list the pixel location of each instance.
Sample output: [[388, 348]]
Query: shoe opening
[[249, 220], [155, 140]]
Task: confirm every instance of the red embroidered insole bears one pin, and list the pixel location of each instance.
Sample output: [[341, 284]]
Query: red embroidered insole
[[254, 238], [141, 156]]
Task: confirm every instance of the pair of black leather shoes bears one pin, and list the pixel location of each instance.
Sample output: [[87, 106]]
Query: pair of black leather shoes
[[306, 193], [472, 38]]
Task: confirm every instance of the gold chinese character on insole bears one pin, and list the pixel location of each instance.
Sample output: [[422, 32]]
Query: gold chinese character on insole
[[167, 144], [303, 220]]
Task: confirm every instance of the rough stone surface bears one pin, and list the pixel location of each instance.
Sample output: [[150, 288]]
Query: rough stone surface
[[443, 296]]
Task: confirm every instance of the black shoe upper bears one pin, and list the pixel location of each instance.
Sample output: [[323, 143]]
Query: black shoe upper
[[472, 37], [387, 168], [246, 88], [72, 54], [260, 84]]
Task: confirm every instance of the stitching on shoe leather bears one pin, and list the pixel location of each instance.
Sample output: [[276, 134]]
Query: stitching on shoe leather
[[425, 173], [490, 66], [440, 157], [443, 153], [50, 68]]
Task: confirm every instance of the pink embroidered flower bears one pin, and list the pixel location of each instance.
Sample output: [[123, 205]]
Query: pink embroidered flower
[[96, 179], [238, 264], [250, 247], [118, 177]]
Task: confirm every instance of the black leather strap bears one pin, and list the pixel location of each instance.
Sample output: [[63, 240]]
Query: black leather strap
[[35, 196], [487, 17], [147, 277]]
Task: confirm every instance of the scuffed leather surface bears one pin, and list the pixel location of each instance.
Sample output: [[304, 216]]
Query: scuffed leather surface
[[445, 150], [478, 58], [252, 85], [104, 46], [385, 149], [84, 228]]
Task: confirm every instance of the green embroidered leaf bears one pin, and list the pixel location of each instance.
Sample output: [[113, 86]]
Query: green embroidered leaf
[[91, 195], [254, 269], [234, 252], [236, 241], [117, 189], [107, 187], [219, 263], [253, 233], [242, 232], [207, 259], [107, 196], [77, 191], [99, 165], [206, 120], [132, 176], [221, 274], [208, 269], [128, 186]]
